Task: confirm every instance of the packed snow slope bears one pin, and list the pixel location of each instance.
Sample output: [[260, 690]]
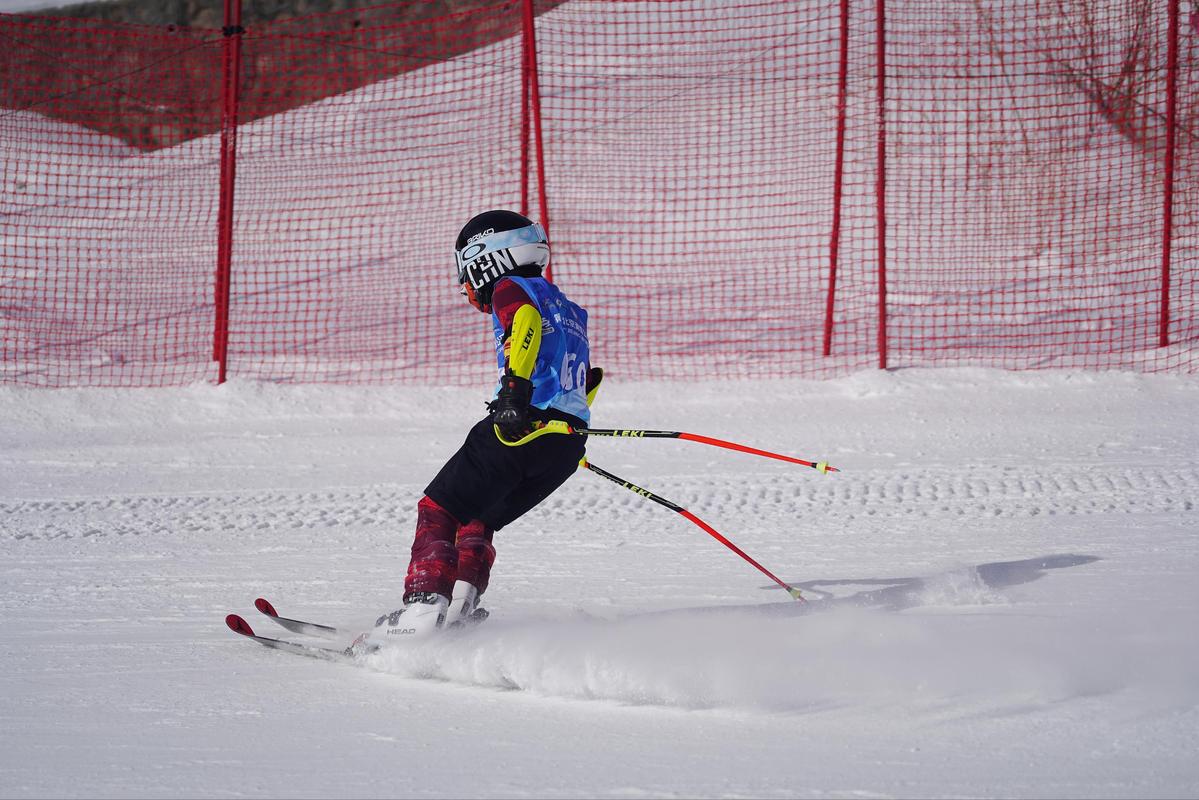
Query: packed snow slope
[[1002, 584]]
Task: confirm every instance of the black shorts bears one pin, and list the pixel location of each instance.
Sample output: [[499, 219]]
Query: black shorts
[[497, 483]]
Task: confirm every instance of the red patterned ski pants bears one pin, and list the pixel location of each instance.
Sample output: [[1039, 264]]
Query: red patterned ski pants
[[444, 551]]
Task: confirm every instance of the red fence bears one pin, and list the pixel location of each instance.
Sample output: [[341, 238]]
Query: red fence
[[732, 189]]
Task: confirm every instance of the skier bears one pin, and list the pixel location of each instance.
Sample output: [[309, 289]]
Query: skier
[[503, 469]]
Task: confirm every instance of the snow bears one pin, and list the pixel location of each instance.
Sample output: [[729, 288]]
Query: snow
[[22, 6], [1002, 587]]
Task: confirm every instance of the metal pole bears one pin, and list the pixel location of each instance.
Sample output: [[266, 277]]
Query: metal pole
[[524, 120], [231, 74], [880, 190], [1163, 324], [535, 108], [838, 181]]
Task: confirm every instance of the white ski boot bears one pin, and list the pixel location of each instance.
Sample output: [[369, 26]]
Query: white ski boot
[[464, 608], [423, 614]]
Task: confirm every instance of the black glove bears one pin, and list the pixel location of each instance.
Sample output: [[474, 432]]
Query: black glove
[[510, 409]]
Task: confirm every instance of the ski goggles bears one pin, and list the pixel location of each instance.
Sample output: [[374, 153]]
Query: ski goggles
[[490, 242]]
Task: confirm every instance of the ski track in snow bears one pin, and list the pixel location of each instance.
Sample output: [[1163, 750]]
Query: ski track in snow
[[618, 653], [973, 492]]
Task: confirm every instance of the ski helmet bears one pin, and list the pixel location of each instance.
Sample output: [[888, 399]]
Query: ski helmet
[[494, 244]]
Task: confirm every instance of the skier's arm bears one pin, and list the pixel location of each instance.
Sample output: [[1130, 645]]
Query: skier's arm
[[524, 341], [522, 324]]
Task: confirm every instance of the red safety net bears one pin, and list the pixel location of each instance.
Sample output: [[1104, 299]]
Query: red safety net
[[716, 179], [106, 250]]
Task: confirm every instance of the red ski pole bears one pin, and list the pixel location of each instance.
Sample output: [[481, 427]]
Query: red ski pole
[[791, 590], [820, 466]]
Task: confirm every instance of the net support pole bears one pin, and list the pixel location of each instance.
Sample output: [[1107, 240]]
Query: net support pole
[[524, 122], [880, 184], [1163, 323], [530, 70], [231, 78], [834, 246]]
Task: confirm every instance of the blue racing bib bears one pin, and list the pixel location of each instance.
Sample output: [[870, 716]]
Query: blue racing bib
[[560, 375]]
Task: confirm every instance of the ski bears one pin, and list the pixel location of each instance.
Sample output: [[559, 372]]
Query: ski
[[296, 625], [240, 626]]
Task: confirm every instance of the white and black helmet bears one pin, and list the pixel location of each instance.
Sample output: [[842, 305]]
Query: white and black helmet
[[496, 243]]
